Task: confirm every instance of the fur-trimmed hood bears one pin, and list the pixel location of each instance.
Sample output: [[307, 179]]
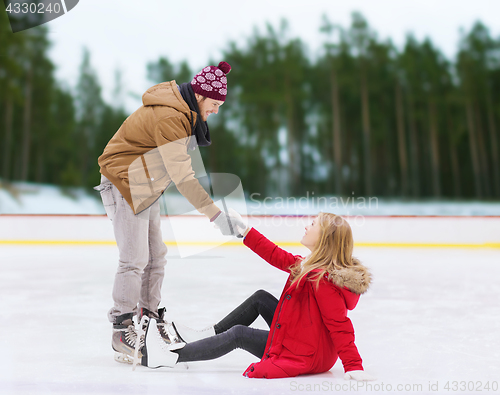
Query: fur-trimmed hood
[[352, 282], [356, 278]]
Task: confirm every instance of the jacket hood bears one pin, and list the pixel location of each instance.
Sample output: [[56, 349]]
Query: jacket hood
[[356, 278], [165, 94], [353, 281]]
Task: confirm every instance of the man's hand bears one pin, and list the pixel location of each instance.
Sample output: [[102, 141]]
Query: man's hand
[[229, 225]]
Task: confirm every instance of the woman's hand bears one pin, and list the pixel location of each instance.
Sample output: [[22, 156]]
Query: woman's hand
[[230, 224], [358, 375], [241, 226]]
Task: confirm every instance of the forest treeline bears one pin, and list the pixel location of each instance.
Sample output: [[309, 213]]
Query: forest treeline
[[362, 117]]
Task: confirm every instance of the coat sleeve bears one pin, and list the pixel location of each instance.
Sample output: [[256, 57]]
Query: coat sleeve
[[334, 314], [269, 251], [172, 141]]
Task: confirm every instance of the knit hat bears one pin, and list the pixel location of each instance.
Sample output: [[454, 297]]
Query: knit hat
[[212, 82]]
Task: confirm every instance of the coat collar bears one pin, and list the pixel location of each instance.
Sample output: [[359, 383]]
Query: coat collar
[[200, 128]]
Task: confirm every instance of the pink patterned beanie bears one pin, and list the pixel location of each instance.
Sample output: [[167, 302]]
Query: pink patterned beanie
[[212, 82]]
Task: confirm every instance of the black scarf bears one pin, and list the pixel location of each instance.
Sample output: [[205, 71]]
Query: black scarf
[[200, 129]]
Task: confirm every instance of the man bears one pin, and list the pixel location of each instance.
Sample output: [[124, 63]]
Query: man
[[147, 154]]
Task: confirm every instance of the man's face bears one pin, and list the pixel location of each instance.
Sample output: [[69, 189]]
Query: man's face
[[207, 106]]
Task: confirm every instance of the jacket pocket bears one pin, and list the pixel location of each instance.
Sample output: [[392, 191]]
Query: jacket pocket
[[298, 347]]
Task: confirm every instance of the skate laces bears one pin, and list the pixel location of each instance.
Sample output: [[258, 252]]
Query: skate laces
[[131, 335], [159, 337], [163, 345], [168, 332]]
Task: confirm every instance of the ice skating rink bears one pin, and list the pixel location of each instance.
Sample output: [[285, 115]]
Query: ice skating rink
[[429, 324]]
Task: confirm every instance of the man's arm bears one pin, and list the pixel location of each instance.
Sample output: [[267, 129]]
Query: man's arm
[[172, 140]]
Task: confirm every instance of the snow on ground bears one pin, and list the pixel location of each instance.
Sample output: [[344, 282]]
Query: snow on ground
[[430, 321], [28, 198]]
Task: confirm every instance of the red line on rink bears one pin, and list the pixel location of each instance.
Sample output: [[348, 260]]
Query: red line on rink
[[266, 215]]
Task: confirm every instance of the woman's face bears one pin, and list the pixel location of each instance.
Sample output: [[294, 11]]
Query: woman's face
[[312, 235]]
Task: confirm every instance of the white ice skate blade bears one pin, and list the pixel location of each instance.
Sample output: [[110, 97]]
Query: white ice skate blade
[[123, 358]]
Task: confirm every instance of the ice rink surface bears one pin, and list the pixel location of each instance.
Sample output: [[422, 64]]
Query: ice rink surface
[[429, 324]]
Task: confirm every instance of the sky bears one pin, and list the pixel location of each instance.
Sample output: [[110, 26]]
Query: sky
[[126, 34]]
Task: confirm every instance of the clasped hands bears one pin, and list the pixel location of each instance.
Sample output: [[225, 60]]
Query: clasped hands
[[230, 223]]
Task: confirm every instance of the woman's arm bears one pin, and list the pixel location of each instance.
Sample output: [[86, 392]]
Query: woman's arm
[[334, 314], [269, 251]]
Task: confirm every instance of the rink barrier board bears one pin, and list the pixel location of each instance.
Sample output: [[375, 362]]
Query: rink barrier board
[[239, 244], [410, 231]]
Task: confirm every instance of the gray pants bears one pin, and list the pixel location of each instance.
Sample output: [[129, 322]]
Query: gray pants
[[233, 331], [141, 264]]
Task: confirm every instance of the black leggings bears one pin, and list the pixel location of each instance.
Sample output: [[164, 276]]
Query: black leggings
[[233, 331]]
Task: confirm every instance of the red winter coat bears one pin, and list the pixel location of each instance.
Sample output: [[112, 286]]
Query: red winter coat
[[310, 327]]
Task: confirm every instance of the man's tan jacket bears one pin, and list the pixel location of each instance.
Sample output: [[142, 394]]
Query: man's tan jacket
[[150, 151]]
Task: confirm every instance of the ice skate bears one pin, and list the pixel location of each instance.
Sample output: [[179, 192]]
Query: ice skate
[[166, 329], [141, 334], [189, 335], [156, 352], [124, 339]]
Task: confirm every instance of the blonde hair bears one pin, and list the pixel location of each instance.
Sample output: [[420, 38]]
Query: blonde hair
[[333, 250]]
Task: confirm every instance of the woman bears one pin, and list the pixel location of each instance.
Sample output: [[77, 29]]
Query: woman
[[309, 327]]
